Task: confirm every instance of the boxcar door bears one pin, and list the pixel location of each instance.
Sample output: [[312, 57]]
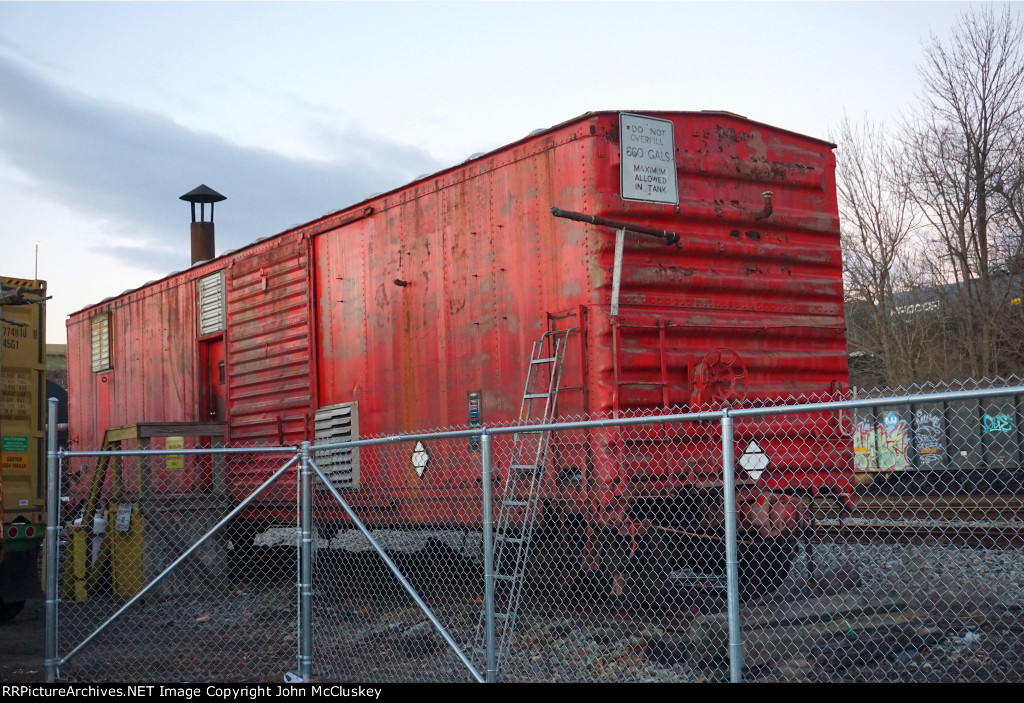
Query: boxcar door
[[215, 396]]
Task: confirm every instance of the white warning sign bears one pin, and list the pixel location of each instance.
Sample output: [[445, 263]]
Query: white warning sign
[[420, 459], [753, 460], [648, 160]]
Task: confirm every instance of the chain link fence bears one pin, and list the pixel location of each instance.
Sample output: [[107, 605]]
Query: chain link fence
[[159, 575], [421, 504], [856, 537]]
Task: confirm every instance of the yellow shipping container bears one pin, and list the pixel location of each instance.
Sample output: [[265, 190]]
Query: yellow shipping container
[[22, 440]]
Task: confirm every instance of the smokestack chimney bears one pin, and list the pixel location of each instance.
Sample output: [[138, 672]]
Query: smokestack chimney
[[202, 231]]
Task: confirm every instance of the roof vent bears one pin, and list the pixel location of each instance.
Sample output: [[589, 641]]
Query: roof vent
[[203, 248]]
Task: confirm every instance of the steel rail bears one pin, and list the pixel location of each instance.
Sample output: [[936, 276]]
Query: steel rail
[[176, 452]]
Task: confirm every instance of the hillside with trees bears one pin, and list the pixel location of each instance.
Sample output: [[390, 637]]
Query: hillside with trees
[[932, 212]]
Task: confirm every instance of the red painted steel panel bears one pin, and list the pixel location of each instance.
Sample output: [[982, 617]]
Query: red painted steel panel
[[768, 290], [268, 344], [270, 385], [442, 291], [153, 375]]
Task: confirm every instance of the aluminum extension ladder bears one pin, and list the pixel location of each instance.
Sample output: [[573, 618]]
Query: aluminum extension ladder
[[521, 488]]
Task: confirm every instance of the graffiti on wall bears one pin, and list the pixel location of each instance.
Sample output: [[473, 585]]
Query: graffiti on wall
[[882, 447], [929, 435], [997, 423], [924, 440]]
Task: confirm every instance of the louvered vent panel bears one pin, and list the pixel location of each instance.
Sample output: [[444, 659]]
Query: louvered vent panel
[[101, 343], [211, 304], [338, 423]]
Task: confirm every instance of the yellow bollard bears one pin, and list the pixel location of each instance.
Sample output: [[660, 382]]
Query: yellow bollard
[[73, 585], [126, 550]]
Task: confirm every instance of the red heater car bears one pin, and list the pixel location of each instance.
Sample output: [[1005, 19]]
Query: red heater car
[[681, 260]]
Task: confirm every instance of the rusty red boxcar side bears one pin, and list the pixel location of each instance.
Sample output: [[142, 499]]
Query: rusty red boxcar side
[[405, 309]]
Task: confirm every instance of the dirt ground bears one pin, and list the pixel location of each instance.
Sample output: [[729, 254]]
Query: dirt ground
[[950, 616], [21, 645]]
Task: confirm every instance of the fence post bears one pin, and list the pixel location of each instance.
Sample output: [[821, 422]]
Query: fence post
[[306, 566], [488, 534], [731, 549], [52, 528]]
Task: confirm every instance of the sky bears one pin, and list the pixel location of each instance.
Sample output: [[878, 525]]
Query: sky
[[110, 111]]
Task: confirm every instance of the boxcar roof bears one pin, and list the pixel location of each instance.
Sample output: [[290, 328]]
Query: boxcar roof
[[354, 207]]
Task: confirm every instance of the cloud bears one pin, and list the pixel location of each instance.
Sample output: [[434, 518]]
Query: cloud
[[129, 166]]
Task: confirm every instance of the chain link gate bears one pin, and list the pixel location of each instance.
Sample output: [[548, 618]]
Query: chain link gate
[[174, 580], [394, 604], [161, 583], [912, 574]]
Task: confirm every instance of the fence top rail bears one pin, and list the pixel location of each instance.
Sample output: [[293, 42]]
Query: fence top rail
[[517, 429], [826, 406], [179, 452], [703, 416]]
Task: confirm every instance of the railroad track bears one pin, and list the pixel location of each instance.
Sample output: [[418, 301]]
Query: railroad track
[[828, 631], [953, 508], [985, 521]]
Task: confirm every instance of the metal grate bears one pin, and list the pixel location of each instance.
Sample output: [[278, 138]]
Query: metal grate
[[101, 343], [211, 304], [338, 423]]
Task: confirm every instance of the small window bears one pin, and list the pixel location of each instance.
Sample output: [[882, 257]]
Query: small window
[[211, 304], [338, 423], [101, 343]]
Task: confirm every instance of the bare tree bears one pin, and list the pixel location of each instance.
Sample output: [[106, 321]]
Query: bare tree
[[964, 171], [877, 218]]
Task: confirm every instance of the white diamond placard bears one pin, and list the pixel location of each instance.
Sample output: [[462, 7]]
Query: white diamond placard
[[753, 460], [420, 459]]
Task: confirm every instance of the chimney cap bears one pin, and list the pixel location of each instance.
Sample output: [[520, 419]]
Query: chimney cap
[[202, 194]]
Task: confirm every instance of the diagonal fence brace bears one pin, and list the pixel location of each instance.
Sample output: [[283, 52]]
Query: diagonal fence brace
[[474, 672]]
